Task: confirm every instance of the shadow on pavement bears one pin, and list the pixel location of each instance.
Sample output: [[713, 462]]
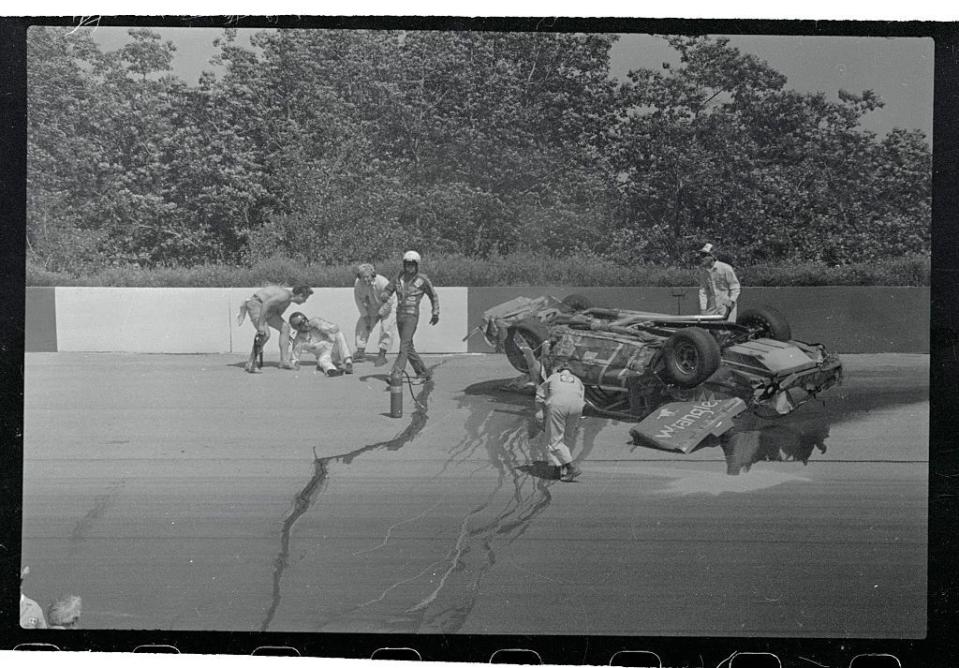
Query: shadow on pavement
[[385, 377], [540, 469], [499, 391], [774, 443]]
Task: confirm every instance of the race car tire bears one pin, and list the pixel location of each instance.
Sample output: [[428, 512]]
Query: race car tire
[[534, 332], [690, 356], [767, 322], [577, 302]]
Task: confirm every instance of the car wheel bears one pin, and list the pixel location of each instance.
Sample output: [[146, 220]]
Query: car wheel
[[690, 356], [534, 333], [766, 322], [577, 302]]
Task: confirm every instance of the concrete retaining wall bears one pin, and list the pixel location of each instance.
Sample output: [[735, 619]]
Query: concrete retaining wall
[[40, 320], [198, 320], [202, 320]]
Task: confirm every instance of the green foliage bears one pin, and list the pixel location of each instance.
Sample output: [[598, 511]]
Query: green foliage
[[718, 150], [502, 150], [519, 269]]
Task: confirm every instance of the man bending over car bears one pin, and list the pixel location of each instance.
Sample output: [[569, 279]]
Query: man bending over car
[[559, 403]]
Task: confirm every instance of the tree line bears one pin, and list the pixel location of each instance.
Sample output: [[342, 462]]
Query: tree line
[[332, 146]]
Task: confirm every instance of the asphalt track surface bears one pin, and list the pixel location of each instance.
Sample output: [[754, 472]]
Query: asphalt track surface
[[178, 492]]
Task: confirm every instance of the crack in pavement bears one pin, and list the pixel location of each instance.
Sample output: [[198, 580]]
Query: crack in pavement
[[100, 503], [301, 503], [457, 576], [305, 498]]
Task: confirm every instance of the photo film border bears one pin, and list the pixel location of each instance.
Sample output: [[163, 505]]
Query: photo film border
[[939, 648]]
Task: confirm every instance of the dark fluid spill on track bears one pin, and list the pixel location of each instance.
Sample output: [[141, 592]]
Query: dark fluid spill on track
[[525, 479], [446, 608], [441, 596], [305, 498], [797, 437], [785, 442], [802, 434]]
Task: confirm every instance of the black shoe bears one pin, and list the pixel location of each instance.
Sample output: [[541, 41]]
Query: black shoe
[[570, 473], [348, 367], [359, 356], [334, 372]]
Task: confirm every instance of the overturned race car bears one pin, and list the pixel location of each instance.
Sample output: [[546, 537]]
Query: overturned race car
[[685, 378]]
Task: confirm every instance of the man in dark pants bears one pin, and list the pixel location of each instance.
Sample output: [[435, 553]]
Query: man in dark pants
[[410, 286]]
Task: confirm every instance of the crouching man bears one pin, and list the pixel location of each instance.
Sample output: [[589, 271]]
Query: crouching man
[[323, 339], [265, 309], [559, 403]]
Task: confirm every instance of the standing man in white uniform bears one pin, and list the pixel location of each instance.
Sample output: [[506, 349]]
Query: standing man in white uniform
[[718, 286], [368, 292]]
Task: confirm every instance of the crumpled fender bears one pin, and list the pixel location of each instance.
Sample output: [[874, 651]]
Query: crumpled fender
[[682, 425]]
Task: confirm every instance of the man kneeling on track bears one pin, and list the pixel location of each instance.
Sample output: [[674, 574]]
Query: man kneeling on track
[[323, 339], [265, 309], [559, 403]]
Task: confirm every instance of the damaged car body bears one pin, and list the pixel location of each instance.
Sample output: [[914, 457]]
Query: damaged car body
[[684, 378]]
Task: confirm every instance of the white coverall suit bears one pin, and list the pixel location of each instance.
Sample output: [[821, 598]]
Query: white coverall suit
[[560, 399], [369, 299], [718, 290], [325, 340]]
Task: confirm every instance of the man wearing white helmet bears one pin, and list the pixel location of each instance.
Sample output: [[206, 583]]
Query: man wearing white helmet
[[410, 286], [367, 293], [718, 286]]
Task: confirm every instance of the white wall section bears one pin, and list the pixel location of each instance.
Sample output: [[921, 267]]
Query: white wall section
[[203, 320]]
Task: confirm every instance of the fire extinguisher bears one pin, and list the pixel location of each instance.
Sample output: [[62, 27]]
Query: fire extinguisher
[[396, 397]]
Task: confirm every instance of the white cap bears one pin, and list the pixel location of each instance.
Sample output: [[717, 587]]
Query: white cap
[[707, 249], [411, 256]]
